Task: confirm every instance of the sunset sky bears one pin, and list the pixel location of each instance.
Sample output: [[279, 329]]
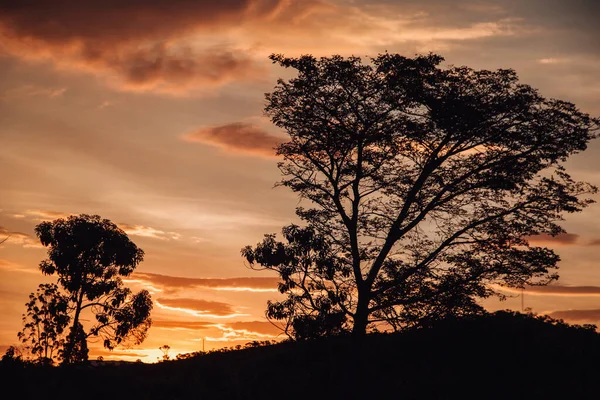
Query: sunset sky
[[149, 113]]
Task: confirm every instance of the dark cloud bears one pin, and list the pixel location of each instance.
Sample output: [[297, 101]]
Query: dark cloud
[[142, 42], [199, 306], [561, 14], [563, 239], [237, 137], [106, 22], [174, 283], [577, 315], [175, 69], [155, 45], [573, 14], [555, 26]]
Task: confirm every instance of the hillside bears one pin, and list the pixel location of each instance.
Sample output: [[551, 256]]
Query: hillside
[[499, 356]]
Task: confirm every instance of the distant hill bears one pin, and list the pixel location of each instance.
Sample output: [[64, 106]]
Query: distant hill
[[503, 355]]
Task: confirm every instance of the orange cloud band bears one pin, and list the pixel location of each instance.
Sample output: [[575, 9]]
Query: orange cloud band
[[173, 283], [237, 137]]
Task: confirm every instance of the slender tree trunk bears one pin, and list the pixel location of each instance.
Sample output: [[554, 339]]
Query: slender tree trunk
[[46, 345], [70, 345]]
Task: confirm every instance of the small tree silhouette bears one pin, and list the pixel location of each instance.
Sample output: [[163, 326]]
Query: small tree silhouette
[[165, 349], [90, 255], [44, 323]]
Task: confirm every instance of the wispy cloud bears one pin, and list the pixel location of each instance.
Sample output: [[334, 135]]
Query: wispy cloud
[[177, 325], [555, 290], [18, 238], [240, 331], [171, 284], [45, 215], [264, 328], [148, 231], [106, 104], [10, 266], [577, 315], [563, 239], [199, 307], [118, 353], [551, 60], [237, 137], [30, 90]]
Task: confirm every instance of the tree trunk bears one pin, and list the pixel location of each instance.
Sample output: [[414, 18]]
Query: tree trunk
[[71, 339], [361, 317]]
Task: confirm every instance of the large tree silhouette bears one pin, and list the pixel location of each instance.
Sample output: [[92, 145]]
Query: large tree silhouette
[[423, 185], [90, 255]]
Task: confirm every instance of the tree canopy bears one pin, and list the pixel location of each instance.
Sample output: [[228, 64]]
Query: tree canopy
[[90, 255], [421, 186]]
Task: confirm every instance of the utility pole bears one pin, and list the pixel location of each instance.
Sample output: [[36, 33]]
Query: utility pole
[[522, 300]]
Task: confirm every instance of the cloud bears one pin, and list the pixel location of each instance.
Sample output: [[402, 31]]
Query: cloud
[[260, 327], [9, 266], [178, 69], [45, 215], [255, 327], [148, 231], [31, 91], [179, 46], [170, 284], [18, 238], [199, 307], [190, 325], [577, 315], [63, 21], [563, 239], [146, 45], [105, 104], [556, 290], [117, 353], [237, 137], [245, 332], [552, 60]]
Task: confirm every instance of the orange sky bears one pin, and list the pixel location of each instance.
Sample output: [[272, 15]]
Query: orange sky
[[150, 114]]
